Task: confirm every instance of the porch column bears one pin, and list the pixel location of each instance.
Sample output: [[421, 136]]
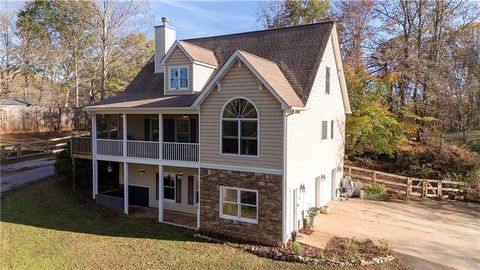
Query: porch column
[[198, 205], [160, 193], [124, 116], [160, 136], [94, 156], [125, 188]]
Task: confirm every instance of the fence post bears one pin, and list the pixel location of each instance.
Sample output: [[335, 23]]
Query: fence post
[[439, 188], [424, 187], [374, 177], [2, 152], [48, 146], [409, 186], [349, 171], [19, 151]]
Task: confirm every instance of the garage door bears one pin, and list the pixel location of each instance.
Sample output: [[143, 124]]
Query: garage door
[[138, 196]]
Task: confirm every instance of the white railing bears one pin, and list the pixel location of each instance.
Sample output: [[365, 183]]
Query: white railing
[[110, 147], [143, 149], [180, 151]]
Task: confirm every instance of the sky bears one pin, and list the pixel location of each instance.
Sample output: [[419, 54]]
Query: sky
[[205, 18]]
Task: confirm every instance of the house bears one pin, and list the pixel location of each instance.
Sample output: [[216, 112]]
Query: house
[[235, 135]]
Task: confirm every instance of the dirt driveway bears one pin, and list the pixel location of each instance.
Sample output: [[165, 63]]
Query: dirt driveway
[[442, 232]]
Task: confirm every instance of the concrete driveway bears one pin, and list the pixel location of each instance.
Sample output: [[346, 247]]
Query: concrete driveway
[[447, 233], [24, 172]]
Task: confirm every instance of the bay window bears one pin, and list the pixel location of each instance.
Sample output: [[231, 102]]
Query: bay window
[[240, 128]]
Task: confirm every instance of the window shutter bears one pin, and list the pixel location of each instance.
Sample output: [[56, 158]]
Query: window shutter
[[178, 190], [190, 189], [327, 81], [147, 129]]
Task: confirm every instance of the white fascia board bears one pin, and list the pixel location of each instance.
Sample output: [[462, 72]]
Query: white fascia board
[[340, 74]]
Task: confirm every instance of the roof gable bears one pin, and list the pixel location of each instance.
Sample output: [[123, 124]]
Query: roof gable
[[266, 72], [194, 53], [296, 50]]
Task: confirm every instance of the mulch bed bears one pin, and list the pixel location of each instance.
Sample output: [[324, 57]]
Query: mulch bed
[[307, 231]]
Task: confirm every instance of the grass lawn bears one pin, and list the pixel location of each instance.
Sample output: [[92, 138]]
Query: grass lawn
[[46, 226]]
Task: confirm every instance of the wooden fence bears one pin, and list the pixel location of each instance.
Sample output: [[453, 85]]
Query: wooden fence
[[16, 151], [409, 186]]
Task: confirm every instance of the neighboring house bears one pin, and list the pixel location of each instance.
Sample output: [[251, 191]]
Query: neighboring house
[[235, 135], [13, 102]]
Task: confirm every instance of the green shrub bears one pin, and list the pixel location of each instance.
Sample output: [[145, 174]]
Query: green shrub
[[321, 255], [378, 190], [297, 248], [306, 224], [385, 247], [293, 236], [313, 211]]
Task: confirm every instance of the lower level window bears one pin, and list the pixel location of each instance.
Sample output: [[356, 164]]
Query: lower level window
[[239, 204], [169, 187]]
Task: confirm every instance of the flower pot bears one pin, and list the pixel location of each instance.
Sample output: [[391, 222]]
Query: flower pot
[[311, 220], [325, 210]]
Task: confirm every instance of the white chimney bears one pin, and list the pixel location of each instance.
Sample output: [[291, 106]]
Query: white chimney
[[165, 36]]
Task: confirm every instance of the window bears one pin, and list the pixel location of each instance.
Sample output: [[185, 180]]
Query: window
[[331, 129], [178, 78], [182, 130], [169, 187], [327, 81], [324, 130], [240, 128], [239, 204]]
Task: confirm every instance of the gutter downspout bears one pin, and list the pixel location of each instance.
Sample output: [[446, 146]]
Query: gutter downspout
[[284, 178]]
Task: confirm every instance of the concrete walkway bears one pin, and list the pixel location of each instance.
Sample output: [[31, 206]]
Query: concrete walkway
[[21, 173], [447, 233]]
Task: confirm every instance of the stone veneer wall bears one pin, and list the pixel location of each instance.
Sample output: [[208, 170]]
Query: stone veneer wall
[[269, 228]]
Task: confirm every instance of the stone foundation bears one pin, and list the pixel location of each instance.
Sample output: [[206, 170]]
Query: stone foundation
[[268, 230]]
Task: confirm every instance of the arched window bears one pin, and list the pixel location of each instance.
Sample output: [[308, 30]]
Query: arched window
[[240, 128]]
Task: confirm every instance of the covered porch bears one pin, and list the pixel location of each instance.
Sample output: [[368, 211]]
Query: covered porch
[[135, 189]]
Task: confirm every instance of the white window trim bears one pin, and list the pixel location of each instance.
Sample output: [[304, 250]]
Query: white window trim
[[174, 188], [238, 217], [239, 131], [170, 79]]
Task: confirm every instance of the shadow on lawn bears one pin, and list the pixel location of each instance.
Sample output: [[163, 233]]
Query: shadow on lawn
[[50, 204]]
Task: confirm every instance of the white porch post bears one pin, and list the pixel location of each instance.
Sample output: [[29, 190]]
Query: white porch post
[[125, 188], [125, 166], [160, 193], [198, 205], [124, 135], [94, 156], [160, 167]]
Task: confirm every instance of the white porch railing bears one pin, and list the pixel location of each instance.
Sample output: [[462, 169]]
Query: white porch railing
[[110, 147], [143, 149], [180, 151]]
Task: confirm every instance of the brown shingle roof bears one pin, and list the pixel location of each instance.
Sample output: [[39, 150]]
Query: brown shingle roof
[[296, 50], [145, 91], [199, 54], [274, 77]]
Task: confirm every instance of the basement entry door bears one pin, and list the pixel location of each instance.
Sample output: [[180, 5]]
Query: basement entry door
[[138, 196]]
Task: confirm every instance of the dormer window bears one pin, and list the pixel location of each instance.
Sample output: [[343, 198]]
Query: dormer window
[[178, 78]]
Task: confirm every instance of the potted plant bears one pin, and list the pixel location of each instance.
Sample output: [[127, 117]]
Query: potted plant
[[312, 212]]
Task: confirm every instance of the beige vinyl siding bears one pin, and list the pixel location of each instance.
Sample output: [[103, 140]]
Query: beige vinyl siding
[[148, 180], [178, 58], [202, 74], [240, 82]]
